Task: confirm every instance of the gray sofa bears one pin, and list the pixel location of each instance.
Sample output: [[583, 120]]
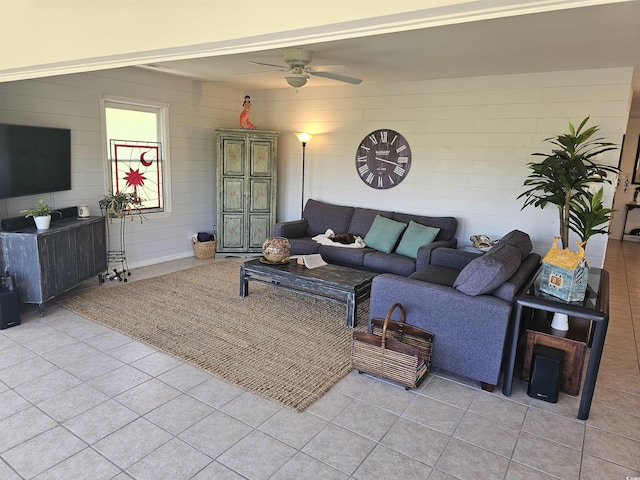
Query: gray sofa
[[466, 300], [319, 216]]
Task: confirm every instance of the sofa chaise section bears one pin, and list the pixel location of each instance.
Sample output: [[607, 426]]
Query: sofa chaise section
[[466, 300]]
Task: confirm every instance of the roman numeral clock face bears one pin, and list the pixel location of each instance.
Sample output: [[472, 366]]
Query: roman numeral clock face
[[383, 159]]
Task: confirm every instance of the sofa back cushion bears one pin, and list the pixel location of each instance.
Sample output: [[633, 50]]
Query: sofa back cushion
[[509, 289], [362, 220], [486, 273], [447, 225], [321, 216]]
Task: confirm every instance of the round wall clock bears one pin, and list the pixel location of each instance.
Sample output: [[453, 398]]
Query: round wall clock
[[383, 159]]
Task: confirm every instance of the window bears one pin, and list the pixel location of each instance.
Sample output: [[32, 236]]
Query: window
[[137, 151]]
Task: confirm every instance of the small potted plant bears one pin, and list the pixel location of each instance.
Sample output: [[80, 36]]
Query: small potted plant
[[41, 214], [119, 204]]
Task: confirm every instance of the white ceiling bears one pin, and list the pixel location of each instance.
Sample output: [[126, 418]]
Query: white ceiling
[[599, 36]]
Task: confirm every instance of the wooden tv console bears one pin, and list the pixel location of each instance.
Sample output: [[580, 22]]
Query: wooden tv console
[[47, 263]]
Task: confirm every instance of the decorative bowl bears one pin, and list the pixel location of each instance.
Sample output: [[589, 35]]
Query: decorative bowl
[[276, 250], [482, 242]]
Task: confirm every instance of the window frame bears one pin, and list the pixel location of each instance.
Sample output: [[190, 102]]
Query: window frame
[[162, 111]]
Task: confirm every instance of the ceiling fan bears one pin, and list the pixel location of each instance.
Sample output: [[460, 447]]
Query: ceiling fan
[[298, 71]]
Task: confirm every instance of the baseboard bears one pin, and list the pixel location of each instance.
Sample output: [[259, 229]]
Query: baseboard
[[158, 260]]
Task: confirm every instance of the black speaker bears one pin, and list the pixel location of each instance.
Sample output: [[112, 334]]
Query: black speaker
[[9, 305], [546, 373], [68, 212], [13, 224]]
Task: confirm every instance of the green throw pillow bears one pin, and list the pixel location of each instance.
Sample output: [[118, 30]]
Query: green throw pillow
[[384, 233], [414, 237]]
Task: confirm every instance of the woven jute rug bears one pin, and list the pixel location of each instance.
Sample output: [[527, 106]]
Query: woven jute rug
[[282, 345]]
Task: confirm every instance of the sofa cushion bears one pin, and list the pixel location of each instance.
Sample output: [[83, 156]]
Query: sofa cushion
[[362, 220], [520, 240], [389, 263], [414, 237], [486, 273], [344, 256], [436, 274], [303, 246], [320, 216], [384, 234]]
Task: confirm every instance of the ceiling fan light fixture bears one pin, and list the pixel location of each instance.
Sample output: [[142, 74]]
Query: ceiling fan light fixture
[[296, 80]]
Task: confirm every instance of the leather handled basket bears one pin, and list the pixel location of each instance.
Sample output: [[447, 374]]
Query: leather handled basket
[[395, 351]]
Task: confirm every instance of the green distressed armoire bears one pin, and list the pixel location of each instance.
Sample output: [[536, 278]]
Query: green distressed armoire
[[246, 186]]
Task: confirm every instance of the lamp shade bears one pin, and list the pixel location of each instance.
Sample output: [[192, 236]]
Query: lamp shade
[[303, 137], [560, 321]]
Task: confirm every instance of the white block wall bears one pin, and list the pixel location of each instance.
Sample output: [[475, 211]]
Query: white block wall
[[471, 139], [73, 101]]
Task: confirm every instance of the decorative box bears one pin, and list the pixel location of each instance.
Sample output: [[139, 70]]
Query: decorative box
[[564, 273]]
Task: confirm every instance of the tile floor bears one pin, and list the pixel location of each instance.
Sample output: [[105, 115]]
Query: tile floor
[[79, 401]]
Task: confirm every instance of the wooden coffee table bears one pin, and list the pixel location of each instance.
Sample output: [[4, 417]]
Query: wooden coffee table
[[338, 284]]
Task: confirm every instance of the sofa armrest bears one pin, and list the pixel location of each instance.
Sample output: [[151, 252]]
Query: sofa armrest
[[426, 251], [291, 229]]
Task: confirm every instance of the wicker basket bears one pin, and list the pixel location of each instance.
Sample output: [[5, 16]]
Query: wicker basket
[[204, 250], [401, 353]]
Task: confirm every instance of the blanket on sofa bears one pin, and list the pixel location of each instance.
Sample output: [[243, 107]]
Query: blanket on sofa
[[326, 239]]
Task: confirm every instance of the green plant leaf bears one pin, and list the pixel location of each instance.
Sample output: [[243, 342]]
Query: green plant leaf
[[564, 177]]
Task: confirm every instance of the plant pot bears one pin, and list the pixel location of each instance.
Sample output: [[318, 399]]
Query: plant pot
[[42, 223]]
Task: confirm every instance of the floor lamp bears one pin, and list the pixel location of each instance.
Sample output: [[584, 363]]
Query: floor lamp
[[304, 138]]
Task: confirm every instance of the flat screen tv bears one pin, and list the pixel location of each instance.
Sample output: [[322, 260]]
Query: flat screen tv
[[34, 160]]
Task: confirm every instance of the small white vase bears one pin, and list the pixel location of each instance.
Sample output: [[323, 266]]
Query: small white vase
[[83, 211], [560, 322], [276, 250], [42, 223]]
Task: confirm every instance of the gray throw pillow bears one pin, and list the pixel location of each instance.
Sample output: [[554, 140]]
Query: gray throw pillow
[[520, 240], [486, 273]]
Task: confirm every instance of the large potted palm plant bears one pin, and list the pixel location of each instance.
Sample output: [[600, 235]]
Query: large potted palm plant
[[566, 177]]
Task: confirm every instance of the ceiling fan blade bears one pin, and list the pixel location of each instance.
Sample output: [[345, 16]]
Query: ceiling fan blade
[[284, 68], [336, 76], [270, 70]]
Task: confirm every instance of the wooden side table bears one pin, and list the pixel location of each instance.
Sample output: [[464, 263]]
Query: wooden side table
[[594, 309], [573, 344]]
